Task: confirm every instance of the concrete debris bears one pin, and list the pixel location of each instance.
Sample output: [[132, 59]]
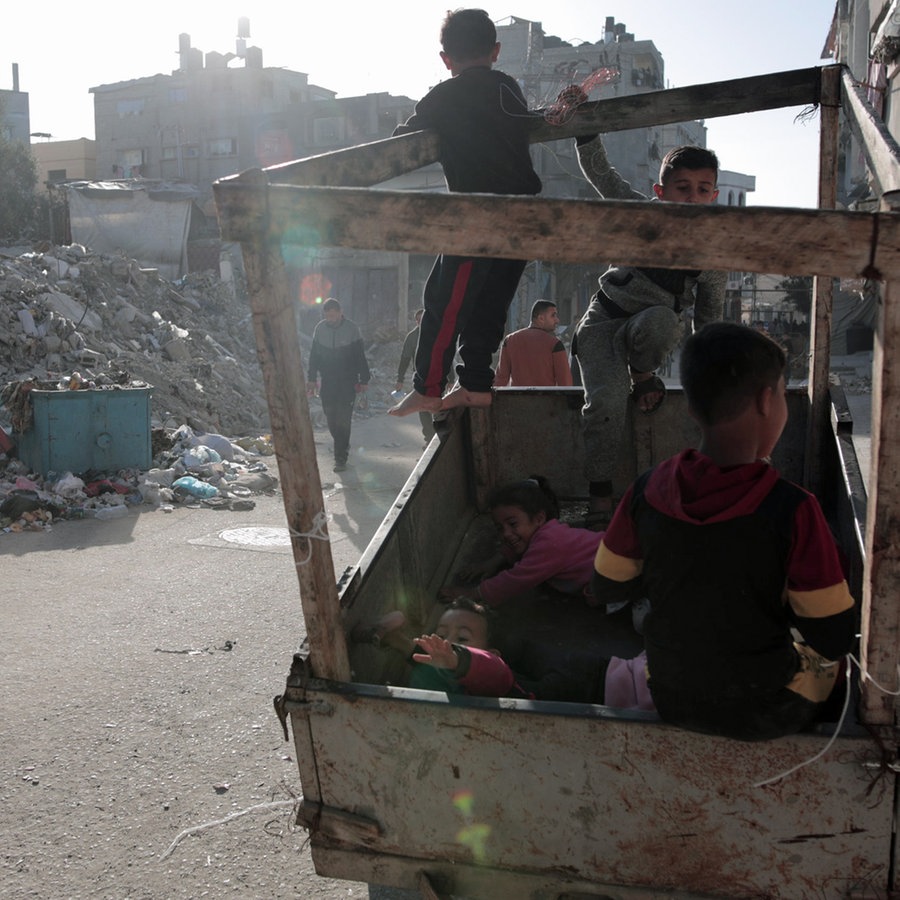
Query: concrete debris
[[68, 314], [66, 308]]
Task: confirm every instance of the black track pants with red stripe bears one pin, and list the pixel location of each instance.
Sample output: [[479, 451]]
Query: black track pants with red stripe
[[466, 299]]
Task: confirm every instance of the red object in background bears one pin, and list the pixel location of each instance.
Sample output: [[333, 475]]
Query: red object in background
[[105, 486], [314, 289], [6, 442]]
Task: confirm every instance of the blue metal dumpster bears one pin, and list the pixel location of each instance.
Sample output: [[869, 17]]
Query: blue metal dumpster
[[97, 429]]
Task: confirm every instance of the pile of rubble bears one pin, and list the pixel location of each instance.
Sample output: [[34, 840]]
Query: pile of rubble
[[69, 315], [65, 310]]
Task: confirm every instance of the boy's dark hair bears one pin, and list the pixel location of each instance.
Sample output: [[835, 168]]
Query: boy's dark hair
[[469, 604], [541, 306], [532, 494], [468, 34], [688, 157], [724, 367], [330, 304]]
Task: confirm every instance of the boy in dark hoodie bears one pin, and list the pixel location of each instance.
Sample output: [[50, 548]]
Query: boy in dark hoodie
[[732, 557], [483, 122]]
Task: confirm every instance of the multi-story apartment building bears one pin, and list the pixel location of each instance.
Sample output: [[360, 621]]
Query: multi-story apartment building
[[208, 119], [865, 37], [218, 114]]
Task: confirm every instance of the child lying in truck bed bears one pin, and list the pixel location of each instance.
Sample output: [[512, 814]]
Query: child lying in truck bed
[[536, 548], [457, 658]]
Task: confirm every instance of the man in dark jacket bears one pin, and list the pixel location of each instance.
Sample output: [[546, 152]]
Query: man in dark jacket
[[338, 360]]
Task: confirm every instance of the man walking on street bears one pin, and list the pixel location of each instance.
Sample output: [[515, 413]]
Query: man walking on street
[[338, 359], [535, 356]]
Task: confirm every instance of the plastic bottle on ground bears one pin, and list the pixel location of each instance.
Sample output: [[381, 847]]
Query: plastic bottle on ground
[[111, 512]]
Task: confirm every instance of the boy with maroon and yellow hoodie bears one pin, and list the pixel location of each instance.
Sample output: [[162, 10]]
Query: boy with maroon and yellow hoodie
[[732, 557]]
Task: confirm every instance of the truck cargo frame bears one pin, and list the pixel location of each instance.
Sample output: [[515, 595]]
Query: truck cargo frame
[[491, 798]]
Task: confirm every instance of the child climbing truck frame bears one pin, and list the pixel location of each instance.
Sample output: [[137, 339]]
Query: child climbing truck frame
[[545, 799]]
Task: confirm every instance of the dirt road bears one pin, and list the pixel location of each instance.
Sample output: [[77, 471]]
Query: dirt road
[[141, 656]]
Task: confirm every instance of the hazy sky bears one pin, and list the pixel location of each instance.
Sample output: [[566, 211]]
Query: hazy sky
[[357, 47]]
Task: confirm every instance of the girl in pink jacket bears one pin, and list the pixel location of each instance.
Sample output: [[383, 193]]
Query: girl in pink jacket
[[536, 548]]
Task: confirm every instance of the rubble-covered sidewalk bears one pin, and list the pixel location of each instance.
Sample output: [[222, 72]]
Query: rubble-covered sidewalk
[[71, 318], [65, 310], [199, 470]]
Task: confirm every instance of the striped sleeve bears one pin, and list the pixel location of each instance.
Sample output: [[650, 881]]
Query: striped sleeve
[[816, 583]]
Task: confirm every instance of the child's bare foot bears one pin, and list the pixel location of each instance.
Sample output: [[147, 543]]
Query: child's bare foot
[[416, 402], [459, 396], [366, 633]]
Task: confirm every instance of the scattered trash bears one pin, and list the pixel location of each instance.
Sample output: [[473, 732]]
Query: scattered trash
[[97, 322], [195, 487], [224, 480]]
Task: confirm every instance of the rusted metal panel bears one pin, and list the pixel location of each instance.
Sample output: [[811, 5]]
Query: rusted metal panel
[[881, 598], [481, 881], [410, 556], [538, 431], [597, 797]]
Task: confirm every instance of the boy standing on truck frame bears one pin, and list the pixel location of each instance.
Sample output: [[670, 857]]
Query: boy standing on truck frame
[[731, 556], [483, 122]]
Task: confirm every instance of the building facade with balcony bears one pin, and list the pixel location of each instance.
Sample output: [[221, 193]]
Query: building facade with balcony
[[865, 37]]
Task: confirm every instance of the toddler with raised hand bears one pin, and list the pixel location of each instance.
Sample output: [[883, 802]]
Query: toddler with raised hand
[[456, 658]]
